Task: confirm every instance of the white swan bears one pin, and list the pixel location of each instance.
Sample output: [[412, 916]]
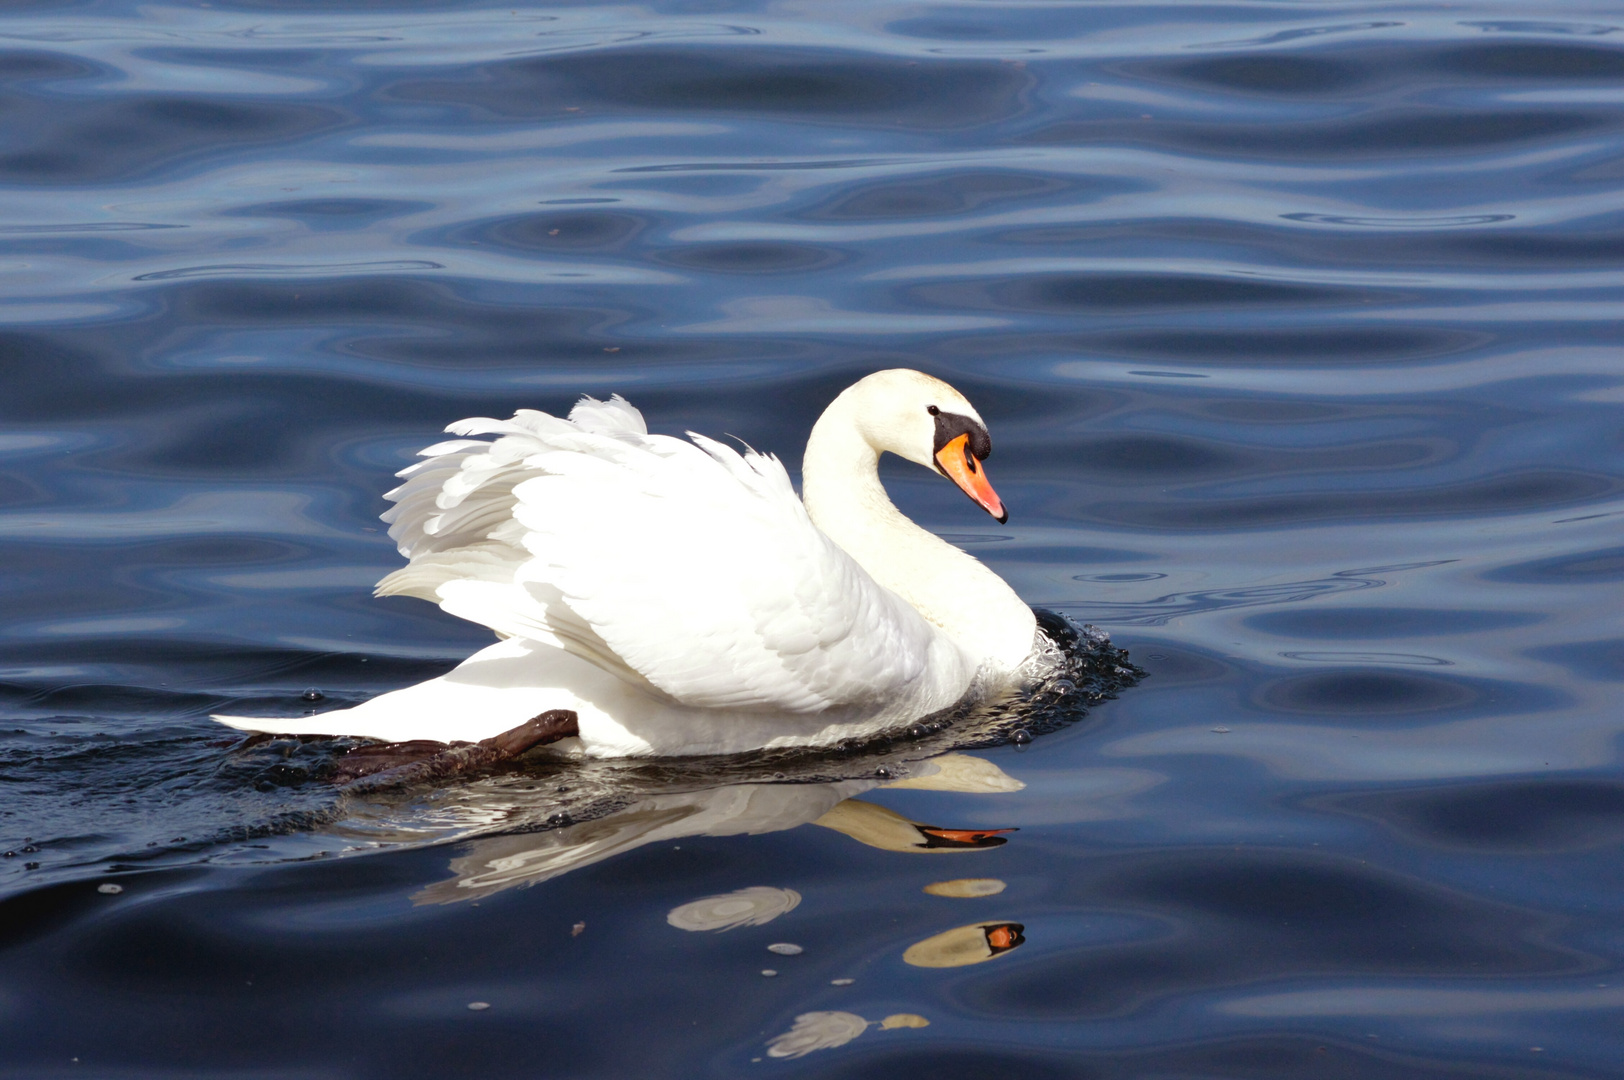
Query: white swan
[[678, 596]]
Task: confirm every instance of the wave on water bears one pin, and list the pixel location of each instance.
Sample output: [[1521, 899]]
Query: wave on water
[[183, 784]]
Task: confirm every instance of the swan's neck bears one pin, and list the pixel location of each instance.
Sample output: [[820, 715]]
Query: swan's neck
[[840, 484]]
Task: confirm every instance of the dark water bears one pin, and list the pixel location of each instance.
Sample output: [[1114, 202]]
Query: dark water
[[1296, 326]]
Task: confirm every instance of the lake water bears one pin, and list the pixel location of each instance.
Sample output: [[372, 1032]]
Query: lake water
[[1296, 326]]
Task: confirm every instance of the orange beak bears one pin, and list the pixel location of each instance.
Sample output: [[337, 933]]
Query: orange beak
[[967, 837], [1003, 937], [961, 467]]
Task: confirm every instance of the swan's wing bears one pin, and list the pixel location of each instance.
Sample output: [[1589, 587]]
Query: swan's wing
[[453, 519], [699, 568], [462, 491], [685, 567]]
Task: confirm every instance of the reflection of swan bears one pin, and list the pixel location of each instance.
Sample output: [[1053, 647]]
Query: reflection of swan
[[737, 809], [823, 1030], [756, 906], [965, 945], [679, 598], [886, 829], [817, 1031], [966, 888]]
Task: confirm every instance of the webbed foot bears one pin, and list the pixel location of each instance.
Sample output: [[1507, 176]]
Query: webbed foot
[[421, 760]]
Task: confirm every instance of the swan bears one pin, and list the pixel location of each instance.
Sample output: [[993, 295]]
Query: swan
[[678, 598]]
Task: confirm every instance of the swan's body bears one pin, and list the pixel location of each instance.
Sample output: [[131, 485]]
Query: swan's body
[[678, 595]]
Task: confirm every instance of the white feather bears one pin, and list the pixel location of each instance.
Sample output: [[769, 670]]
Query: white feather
[[675, 593]]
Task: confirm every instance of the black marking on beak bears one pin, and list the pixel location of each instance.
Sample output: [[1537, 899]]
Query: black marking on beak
[[950, 426]]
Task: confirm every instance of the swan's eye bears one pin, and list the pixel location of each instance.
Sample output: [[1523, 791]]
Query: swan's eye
[[969, 458], [933, 410]]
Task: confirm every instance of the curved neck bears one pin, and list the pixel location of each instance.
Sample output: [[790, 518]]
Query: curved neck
[[840, 485]]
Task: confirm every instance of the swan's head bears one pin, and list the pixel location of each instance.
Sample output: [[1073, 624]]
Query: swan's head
[[928, 422]]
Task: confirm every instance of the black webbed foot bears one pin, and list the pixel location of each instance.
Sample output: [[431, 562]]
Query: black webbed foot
[[420, 760]]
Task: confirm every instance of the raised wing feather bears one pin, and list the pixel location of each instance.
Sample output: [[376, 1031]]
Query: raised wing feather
[[684, 567]]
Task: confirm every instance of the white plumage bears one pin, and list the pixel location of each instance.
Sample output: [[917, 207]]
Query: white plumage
[[676, 594]]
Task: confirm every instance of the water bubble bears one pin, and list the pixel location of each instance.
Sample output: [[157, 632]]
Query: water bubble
[[784, 948], [1020, 736], [312, 694], [30, 866], [884, 773], [560, 819], [478, 1006], [841, 982], [1064, 686], [109, 888], [769, 972], [30, 850]]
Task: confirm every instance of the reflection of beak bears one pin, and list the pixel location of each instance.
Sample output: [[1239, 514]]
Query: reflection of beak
[[888, 830], [962, 838], [1002, 937], [961, 467]]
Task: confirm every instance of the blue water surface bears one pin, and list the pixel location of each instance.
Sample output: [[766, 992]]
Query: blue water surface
[[1296, 326]]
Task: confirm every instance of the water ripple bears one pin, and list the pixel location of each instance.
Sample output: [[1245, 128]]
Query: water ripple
[[1248, 296]]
